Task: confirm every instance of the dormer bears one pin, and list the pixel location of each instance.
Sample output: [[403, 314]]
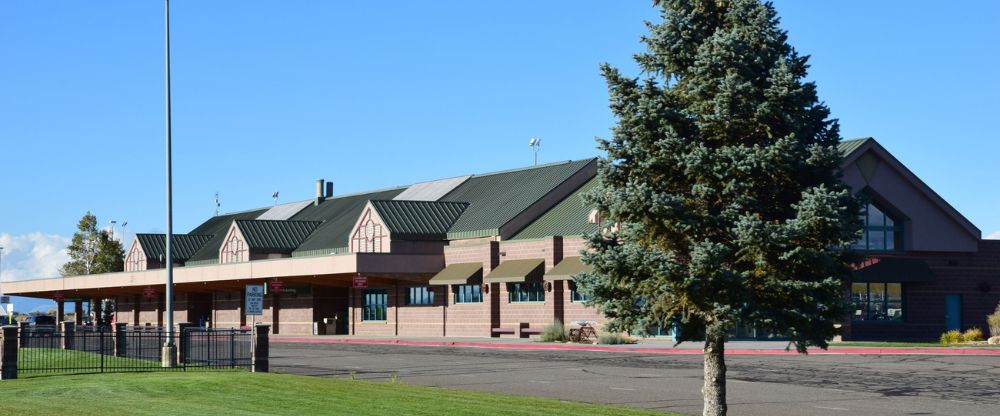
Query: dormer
[[263, 239], [148, 251], [386, 226]]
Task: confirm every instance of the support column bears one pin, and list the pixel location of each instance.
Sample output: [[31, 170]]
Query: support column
[[60, 311], [22, 335], [8, 352], [121, 343], [261, 349], [68, 335], [98, 307], [78, 310], [136, 309]]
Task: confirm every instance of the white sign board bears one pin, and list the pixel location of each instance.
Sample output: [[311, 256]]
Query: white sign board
[[255, 300]]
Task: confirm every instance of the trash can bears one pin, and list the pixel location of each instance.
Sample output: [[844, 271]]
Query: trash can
[[331, 326]]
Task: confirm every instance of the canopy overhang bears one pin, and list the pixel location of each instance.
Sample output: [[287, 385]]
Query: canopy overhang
[[512, 271], [459, 274], [568, 267]]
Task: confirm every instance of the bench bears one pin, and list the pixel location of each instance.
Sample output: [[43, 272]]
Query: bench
[[520, 331]]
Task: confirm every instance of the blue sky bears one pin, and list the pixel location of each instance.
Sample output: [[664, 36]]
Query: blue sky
[[271, 95]]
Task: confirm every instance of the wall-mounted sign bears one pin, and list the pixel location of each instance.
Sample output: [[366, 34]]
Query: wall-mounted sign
[[360, 282], [58, 297], [255, 300], [276, 286], [5, 299], [149, 293]]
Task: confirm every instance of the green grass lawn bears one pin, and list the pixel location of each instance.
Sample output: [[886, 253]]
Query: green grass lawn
[[59, 361], [243, 393]]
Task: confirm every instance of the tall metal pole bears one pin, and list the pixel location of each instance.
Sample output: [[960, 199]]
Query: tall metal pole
[[169, 358]]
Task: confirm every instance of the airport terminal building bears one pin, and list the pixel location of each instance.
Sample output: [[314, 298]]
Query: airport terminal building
[[494, 255]]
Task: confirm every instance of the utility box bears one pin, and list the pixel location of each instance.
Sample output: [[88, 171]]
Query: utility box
[[330, 326]]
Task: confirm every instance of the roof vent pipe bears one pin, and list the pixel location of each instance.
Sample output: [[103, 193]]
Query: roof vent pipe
[[319, 191], [329, 189]]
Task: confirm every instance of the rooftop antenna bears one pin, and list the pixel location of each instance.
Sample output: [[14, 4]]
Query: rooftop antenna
[[535, 144], [275, 196], [217, 204]]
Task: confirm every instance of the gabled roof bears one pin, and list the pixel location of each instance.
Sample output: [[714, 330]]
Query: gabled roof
[[273, 236], [419, 220], [568, 217], [854, 149], [183, 246], [497, 198], [217, 227], [338, 216]]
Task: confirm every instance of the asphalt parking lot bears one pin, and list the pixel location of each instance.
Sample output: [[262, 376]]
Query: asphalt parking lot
[[758, 385]]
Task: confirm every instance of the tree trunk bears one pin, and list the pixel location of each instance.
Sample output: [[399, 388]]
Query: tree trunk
[[714, 391]]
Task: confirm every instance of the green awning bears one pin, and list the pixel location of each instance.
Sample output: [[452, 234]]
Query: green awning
[[891, 269], [517, 271], [567, 268], [459, 274]]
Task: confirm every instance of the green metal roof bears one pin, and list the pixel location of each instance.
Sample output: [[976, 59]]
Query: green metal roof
[[568, 217], [217, 227], [182, 248], [517, 271], [419, 220], [495, 199], [275, 236], [459, 274], [338, 216], [847, 147]]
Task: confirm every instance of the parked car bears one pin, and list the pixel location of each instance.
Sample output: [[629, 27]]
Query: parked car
[[43, 324]]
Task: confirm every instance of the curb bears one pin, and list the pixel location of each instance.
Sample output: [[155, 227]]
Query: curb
[[660, 351]]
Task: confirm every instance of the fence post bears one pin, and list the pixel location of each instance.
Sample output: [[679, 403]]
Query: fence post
[[121, 346], [8, 352], [69, 335], [183, 342], [261, 349], [23, 331]]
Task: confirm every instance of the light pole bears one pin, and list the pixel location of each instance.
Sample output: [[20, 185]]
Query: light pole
[[535, 144], [112, 223], [169, 357], [1, 280]]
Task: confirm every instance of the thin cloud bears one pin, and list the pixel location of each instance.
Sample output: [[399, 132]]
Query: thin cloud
[[32, 256], [994, 236]]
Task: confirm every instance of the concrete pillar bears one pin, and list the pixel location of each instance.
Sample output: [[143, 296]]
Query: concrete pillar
[[121, 343], [8, 352], [184, 341], [60, 311], [261, 349], [68, 335]]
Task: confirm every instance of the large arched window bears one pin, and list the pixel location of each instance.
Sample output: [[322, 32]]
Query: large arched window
[[882, 232]]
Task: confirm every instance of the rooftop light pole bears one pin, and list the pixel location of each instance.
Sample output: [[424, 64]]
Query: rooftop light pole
[[169, 357], [535, 144]]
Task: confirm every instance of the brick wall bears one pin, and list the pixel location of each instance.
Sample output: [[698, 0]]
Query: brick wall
[[974, 276], [227, 309], [420, 320], [150, 312], [373, 328], [125, 309]]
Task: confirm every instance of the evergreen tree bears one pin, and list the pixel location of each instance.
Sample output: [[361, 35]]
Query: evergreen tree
[[721, 182], [93, 251]]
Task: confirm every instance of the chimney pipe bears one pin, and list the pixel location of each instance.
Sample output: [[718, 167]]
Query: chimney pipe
[[319, 191], [329, 189]]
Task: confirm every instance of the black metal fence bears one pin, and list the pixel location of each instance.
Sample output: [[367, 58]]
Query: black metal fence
[[86, 349]]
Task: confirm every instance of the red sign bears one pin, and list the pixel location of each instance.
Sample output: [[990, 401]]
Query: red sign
[[277, 286], [58, 296], [149, 292], [360, 282]]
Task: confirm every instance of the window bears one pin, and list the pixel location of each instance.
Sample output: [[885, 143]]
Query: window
[[376, 301], [877, 301], [575, 295], [881, 232], [420, 296], [468, 294], [526, 292]]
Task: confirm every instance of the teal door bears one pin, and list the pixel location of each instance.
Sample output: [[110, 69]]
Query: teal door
[[953, 312]]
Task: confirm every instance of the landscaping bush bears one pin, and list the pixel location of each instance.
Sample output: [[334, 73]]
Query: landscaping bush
[[951, 337], [973, 334], [614, 338], [555, 332], [993, 320]]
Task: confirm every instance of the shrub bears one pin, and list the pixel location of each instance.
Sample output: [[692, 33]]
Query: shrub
[[614, 338], [555, 332], [973, 334], [951, 337], [993, 320]]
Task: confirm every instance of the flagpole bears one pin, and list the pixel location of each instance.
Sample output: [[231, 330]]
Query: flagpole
[[169, 358]]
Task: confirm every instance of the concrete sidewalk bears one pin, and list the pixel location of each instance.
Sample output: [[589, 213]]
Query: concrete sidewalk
[[644, 346]]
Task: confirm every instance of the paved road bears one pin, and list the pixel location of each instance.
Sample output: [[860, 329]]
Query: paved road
[[758, 385]]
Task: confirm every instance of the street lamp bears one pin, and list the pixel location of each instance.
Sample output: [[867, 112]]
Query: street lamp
[[535, 144]]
